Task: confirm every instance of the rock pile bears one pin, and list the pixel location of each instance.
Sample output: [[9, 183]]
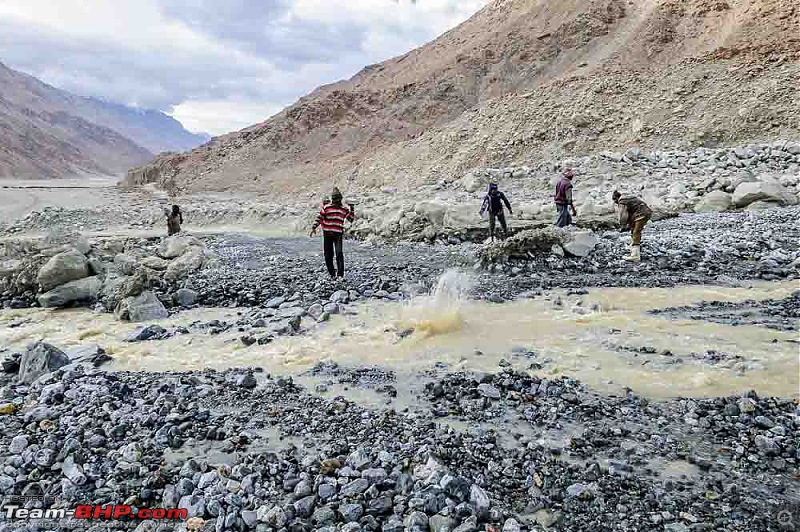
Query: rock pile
[[118, 273]]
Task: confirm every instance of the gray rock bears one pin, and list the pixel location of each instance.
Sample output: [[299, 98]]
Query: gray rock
[[125, 264], [151, 332], [189, 262], [250, 518], [247, 381], [275, 302], [511, 525], [305, 506], [351, 512], [355, 487], [714, 201], [291, 312], [18, 444], [359, 459], [441, 523], [340, 296], [324, 515], [176, 245], [82, 290], [38, 359], [144, 307], [767, 189], [487, 390], [73, 472], [373, 476], [581, 244], [326, 491], [185, 297], [416, 520], [70, 265], [315, 311], [479, 499]]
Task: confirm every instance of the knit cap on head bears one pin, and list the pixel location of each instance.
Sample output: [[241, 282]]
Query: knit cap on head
[[569, 172], [336, 194]]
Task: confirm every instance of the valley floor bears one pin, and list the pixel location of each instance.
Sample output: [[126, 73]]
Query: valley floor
[[428, 391]]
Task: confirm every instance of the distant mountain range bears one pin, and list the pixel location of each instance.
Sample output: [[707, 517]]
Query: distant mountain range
[[46, 132]]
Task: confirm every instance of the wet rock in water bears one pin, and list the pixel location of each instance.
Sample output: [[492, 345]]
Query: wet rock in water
[[10, 364], [62, 268], [174, 246], [38, 359], [144, 307], [88, 354], [83, 290], [185, 297], [151, 332]]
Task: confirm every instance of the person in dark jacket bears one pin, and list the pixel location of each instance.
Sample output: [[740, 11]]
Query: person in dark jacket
[[493, 202], [563, 198], [331, 217], [633, 216], [174, 221]]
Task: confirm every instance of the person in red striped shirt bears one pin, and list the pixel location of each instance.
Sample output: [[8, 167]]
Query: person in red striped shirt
[[332, 217]]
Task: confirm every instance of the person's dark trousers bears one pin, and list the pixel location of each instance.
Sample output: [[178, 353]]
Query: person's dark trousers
[[501, 217], [564, 218], [333, 245]]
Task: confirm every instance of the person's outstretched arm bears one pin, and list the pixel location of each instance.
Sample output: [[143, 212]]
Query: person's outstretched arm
[[505, 200], [317, 223]]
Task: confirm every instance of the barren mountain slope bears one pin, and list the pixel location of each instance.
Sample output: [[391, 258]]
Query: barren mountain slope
[[519, 81], [46, 132]]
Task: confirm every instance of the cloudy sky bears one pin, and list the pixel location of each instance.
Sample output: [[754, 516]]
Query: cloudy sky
[[216, 65]]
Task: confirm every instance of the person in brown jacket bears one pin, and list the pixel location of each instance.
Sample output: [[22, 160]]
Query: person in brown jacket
[[633, 216], [174, 221]]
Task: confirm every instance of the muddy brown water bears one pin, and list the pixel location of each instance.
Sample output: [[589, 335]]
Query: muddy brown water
[[593, 338]]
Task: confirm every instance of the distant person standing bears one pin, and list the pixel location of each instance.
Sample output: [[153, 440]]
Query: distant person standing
[[331, 217], [633, 216], [563, 198], [174, 220], [493, 202]]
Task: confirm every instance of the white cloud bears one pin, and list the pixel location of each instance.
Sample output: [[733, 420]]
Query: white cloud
[[221, 65]]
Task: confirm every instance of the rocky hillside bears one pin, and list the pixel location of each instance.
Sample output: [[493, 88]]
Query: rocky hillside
[[48, 133], [522, 81]]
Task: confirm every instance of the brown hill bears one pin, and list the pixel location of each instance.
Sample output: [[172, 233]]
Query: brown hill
[[522, 80], [41, 135]]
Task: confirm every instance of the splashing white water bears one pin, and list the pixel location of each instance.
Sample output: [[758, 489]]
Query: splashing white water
[[453, 286]]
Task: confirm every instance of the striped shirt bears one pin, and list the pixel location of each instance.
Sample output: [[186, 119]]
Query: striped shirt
[[332, 218]]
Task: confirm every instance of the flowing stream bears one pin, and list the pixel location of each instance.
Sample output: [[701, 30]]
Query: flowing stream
[[606, 338]]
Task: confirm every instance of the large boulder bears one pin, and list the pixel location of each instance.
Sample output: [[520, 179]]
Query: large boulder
[[581, 244], [38, 359], [85, 289], [191, 261], [155, 263], [176, 245], [10, 267], [714, 201], [70, 265], [433, 211], [144, 307], [767, 189]]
